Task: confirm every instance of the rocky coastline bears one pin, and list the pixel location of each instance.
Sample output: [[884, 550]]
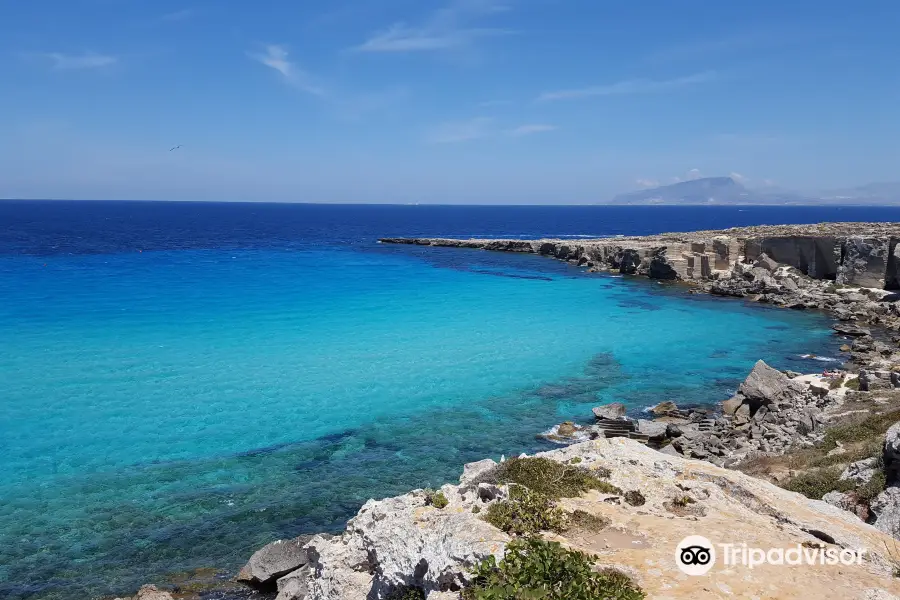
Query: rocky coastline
[[679, 472]]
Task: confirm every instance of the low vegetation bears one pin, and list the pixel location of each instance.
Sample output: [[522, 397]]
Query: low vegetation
[[584, 521], [817, 471], [525, 512], [552, 479], [534, 568], [436, 499]]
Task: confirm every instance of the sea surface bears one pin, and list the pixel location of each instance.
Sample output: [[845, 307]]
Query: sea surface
[[181, 383]]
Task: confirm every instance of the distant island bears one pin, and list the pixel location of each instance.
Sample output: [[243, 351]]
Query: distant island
[[726, 191]]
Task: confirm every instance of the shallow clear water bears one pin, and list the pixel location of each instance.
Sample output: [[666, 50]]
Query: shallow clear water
[[177, 408]]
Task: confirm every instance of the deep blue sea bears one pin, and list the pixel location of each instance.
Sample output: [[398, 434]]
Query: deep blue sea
[[181, 383]]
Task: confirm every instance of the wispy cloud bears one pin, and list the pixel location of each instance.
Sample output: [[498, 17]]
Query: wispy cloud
[[88, 60], [178, 15], [531, 129], [647, 183], [453, 26], [630, 86], [461, 131], [276, 57], [480, 128]]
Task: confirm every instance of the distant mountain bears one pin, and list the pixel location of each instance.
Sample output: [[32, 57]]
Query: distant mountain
[[726, 191], [708, 190]]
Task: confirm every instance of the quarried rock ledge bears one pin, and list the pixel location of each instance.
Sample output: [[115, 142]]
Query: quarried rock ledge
[[862, 254]]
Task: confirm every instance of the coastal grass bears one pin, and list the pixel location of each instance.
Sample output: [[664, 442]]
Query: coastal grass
[[869, 428], [535, 568], [552, 479], [817, 482]]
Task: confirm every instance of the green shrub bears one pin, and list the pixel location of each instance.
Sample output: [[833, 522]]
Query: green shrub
[[551, 478], [575, 460], [682, 501], [852, 384], [815, 484], [439, 500], [476, 509], [526, 512], [534, 568], [635, 498], [836, 382]]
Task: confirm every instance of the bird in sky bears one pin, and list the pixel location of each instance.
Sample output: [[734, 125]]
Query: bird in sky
[[175, 147]]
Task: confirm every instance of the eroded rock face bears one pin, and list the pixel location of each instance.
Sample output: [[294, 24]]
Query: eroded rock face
[[402, 542], [274, 560]]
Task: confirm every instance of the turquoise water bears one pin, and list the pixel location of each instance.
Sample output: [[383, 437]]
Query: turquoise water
[[169, 410]]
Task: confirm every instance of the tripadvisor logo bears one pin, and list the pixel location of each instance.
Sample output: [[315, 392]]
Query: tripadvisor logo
[[696, 555]]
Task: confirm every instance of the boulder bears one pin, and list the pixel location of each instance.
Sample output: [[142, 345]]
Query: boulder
[[275, 560], [151, 592], [819, 389], [861, 471], [615, 410], [652, 429], [766, 263], [294, 585], [474, 470], [566, 429], [850, 329], [730, 406], [886, 509], [767, 386], [664, 408]]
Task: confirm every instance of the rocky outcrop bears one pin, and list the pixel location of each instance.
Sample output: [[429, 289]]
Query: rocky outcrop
[[856, 254], [274, 560], [614, 410], [150, 592], [401, 541]]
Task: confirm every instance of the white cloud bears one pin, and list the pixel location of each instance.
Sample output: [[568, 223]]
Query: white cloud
[[276, 57], [450, 27], [738, 177], [88, 60], [178, 15], [647, 183], [631, 86], [693, 174], [531, 128], [461, 131]]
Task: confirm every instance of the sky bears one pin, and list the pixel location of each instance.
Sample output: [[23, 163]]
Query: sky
[[450, 101]]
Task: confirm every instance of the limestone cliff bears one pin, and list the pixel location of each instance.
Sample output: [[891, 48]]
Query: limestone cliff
[[863, 254]]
